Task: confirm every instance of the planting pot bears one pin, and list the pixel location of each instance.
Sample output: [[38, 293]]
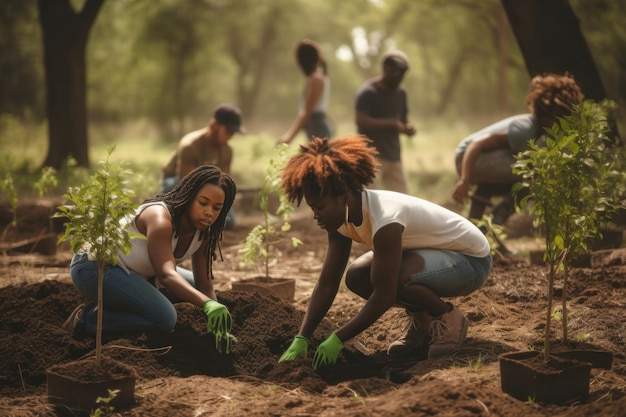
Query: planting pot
[[526, 376], [536, 257], [284, 288], [74, 387]]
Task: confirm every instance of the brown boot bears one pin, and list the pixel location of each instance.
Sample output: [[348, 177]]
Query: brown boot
[[416, 338], [447, 332]]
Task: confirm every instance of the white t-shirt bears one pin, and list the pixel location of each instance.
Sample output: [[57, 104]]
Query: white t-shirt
[[426, 225], [137, 260]]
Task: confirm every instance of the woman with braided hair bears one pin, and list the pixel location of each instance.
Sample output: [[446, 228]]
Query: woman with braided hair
[[419, 252], [186, 222]]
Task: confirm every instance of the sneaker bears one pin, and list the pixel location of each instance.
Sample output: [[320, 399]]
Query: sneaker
[[74, 322], [415, 339], [447, 332]]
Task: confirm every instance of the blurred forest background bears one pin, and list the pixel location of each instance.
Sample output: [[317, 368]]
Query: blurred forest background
[[157, 69]]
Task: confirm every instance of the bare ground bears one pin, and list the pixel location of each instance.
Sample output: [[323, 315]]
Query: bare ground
[[181, 374]]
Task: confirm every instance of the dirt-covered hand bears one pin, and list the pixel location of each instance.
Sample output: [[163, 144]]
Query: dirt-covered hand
[[219, 322], [327, 352], [297, 349]]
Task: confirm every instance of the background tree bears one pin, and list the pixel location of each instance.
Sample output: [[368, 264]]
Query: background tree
[[65, 33], [551, 47], [21, 84], [163, 66]]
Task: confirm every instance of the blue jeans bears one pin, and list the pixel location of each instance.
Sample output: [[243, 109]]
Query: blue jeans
[[451, 274], [317, 126], [131, 303]]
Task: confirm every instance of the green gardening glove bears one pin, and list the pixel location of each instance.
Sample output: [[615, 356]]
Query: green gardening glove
[[219, 322], [298, 348], [327, 352]]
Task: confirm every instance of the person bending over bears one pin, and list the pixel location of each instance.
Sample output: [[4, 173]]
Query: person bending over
[[419, 252], [484, 158]]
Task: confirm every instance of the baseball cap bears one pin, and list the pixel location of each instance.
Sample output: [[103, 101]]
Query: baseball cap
[[397, 58], [229, 115]]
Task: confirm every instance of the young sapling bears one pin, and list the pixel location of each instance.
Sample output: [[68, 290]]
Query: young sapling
[[260, 240], [93, 222], [574, 182]]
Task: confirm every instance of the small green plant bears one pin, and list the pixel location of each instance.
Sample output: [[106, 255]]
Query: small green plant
[[94, 220], [478, 363], [474, 364], [106, 409], [493, 232], [557, 314], [47, 179], [582, 337], [260, 240], [574, 183]]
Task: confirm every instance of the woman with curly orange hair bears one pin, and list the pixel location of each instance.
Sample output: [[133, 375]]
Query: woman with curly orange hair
[[419, 252], [484, 158]]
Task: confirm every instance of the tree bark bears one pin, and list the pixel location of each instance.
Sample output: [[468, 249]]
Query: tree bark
[[65, 35], [550, 39]]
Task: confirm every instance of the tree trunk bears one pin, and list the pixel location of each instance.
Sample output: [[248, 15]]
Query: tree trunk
[[503, 60], [550, 39], [65, 35]]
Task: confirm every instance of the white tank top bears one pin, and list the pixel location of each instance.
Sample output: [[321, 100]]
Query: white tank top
[[137, 260], [322, 104]]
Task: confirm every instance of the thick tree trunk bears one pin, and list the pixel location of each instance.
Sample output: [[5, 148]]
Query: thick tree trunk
[[65, 35], [503, 60], [550, 39]]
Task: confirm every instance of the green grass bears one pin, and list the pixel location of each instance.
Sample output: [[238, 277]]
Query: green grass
[[428, 157]]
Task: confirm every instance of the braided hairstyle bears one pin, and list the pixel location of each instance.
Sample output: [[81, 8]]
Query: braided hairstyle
[[553, 95], [330, 168], [182, 195]]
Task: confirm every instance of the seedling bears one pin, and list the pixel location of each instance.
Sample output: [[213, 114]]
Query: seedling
[[582, 337], [48, 179], [259, 242], [106, 409], [574, 182], [493, 232], [93, 222]]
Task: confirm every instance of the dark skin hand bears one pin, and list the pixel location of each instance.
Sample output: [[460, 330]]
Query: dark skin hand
[[385, 265], [489, 142]]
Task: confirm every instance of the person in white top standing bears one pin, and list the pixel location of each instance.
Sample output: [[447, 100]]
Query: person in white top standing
[[139, 292], [315, 97], [419, 252]]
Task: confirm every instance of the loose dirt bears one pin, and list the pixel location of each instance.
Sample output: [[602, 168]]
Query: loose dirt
[[181, 373]]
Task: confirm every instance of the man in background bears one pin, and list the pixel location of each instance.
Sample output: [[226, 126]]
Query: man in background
[[381, 115], [206, 146]]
